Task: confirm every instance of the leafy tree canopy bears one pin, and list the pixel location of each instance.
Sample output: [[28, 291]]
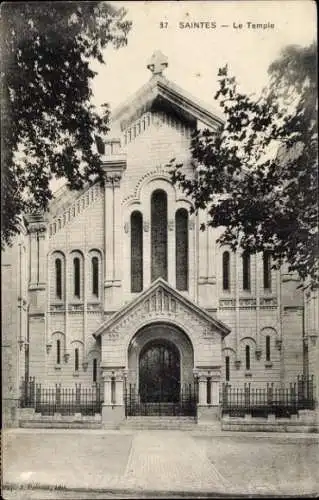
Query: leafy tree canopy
[[257, 175], [48, 120]]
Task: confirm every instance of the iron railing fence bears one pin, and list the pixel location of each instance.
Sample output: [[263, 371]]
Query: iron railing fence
[[279, 400], [58, 399], [185, 405]]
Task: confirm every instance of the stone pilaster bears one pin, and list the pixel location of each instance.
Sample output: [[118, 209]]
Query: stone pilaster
[[37, 230], [114, 166]]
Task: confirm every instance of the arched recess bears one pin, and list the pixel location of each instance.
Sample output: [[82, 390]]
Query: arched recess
[[57, 276], [159, 236], [159, 331], [76, 358], [94, 363], [229, 356], [247, 353], [95, 274], [181, 249], [58, 348], [136, 243], [76, 274], [269, 349], [226, 271]]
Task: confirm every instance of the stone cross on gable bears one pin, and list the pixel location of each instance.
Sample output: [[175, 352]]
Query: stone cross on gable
[[157, 63]]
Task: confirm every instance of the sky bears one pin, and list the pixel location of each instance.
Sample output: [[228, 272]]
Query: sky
[[195, 54]]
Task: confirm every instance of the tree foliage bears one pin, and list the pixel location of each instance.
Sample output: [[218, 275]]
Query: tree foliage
[[257, 175], [48, 120]]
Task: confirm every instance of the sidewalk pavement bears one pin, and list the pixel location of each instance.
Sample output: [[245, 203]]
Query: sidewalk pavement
[[175, 462]]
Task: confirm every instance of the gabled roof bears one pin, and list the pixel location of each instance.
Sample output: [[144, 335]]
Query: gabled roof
[[159, 87], [160, 283]]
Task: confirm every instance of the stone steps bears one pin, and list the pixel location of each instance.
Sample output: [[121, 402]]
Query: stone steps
[[152, 422]]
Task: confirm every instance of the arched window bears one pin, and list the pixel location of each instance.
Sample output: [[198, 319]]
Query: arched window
[[136, 252], [58, 278], [58, 352], [95, 276], [158, 235], [226, 270], [76, 359], [247, 352], [181, 234], [94, 374], [76, 276], [267, 270], [246, 270]]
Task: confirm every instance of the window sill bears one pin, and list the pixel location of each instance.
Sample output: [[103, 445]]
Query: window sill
[[75, 374], [268, 364], [57, 367], [248, 374]]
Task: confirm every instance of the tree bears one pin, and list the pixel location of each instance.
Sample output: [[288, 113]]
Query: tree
[[48, 120], [257, 175]]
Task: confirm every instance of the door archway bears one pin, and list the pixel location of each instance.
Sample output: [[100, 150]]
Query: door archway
[[159, 372]]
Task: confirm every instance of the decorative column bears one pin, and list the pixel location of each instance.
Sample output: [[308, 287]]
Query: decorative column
[[202, 389], [208, 413], [37, 229], [107, 380], [215, 385], [146, 251], [119, 388], [114, 166], [258, 265]]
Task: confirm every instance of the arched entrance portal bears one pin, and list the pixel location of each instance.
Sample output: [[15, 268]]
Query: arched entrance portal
[[159, 372], [160, 379]]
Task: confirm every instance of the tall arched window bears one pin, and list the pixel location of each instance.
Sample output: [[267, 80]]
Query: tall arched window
[[226, 270], [246, 270], [181, 234], [267, 270], [58, 352], [247, 352], [95, 276], [76, 276], [76, 359], [94, 374], [267, 347], [227, 367], [158, 235], [58, 278], [136, 252]]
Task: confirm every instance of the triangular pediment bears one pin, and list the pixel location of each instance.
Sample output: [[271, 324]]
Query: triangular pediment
[[161, 300], [161, 92]]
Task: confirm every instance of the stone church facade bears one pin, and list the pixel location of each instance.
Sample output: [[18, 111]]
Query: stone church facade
[[119, 276]]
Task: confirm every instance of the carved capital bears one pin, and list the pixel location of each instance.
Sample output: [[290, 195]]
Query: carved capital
[[126, 227], [170, 225], [237, 364], [36, 223], [278, 344], [191, 224], [146, 226], [258, 353]]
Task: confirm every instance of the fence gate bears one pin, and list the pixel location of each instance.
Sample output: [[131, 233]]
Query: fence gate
[[184, 405]]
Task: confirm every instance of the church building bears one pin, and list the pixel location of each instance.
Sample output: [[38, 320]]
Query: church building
[[117, 285]]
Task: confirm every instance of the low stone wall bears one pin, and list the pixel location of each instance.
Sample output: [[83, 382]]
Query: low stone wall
[[305, 421], [29, 418]]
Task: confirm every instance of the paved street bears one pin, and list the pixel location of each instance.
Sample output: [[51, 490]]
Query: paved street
[[137, 462]]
